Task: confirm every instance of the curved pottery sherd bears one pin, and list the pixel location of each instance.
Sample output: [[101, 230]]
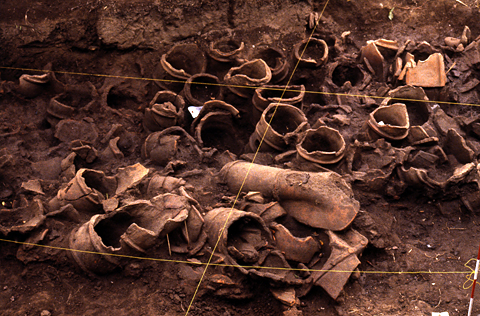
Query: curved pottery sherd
[[65, 105], [171, 143], [295, 248], [276, 60], [201, 88], [32, 85], [323, 145], [85, 191], [390, 121], [225, 50], [314, 55], [288, 121], [240, 80], [165, 110], [267, 94]]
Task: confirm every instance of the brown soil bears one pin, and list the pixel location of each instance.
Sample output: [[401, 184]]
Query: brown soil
[[410, 229]]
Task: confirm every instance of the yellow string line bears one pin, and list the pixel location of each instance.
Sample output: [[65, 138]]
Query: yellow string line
[[240, 86], [250, 167], [241, 266]]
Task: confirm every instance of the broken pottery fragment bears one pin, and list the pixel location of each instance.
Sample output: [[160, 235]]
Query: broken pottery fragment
[[22, 219], [295, 248], [323, 145], [201, 88], [429, 73], [279, 125], [312, 52], [244, 79], [390, 121], [456, 145], [239, 236], [268, 212], [225, 50], [112, 151], [268, 94], [70, 130], [374, 60], [131, 229], [84, 150], [286, 296], [89, 188], [162, 184], [321, 200], [33, 186], [129, 177], [276, 60], [372, 163], [420, 177], [422, 130], [65, 105], [165, 110], [223, 286], [343, 259], [32, 85], [173, 142], [85, 191]]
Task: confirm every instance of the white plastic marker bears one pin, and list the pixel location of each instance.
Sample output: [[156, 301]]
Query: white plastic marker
[[474, 283]]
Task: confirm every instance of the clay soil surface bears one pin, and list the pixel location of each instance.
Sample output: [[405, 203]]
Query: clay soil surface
[[412, 227]]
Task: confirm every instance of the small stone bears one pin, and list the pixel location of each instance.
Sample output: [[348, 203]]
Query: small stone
[[45, 313]]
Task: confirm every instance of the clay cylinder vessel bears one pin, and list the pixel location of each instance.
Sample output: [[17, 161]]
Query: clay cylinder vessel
[[276, 60], [241, 80], [323, 145], [265, 95], [225, 50], [201, 88], [390, 121], [288, 121], [224, 225], [165, 110], [180, 63], [318, 199], [315, 53]]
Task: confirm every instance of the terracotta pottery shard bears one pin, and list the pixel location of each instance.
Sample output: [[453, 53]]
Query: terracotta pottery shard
[[429, 73], [371, 53], [297, 249]]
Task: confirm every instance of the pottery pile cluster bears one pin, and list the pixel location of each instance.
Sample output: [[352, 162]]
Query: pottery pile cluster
[[292, 224]]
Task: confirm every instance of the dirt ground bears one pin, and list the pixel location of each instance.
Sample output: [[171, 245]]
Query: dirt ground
[[105, 53]]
